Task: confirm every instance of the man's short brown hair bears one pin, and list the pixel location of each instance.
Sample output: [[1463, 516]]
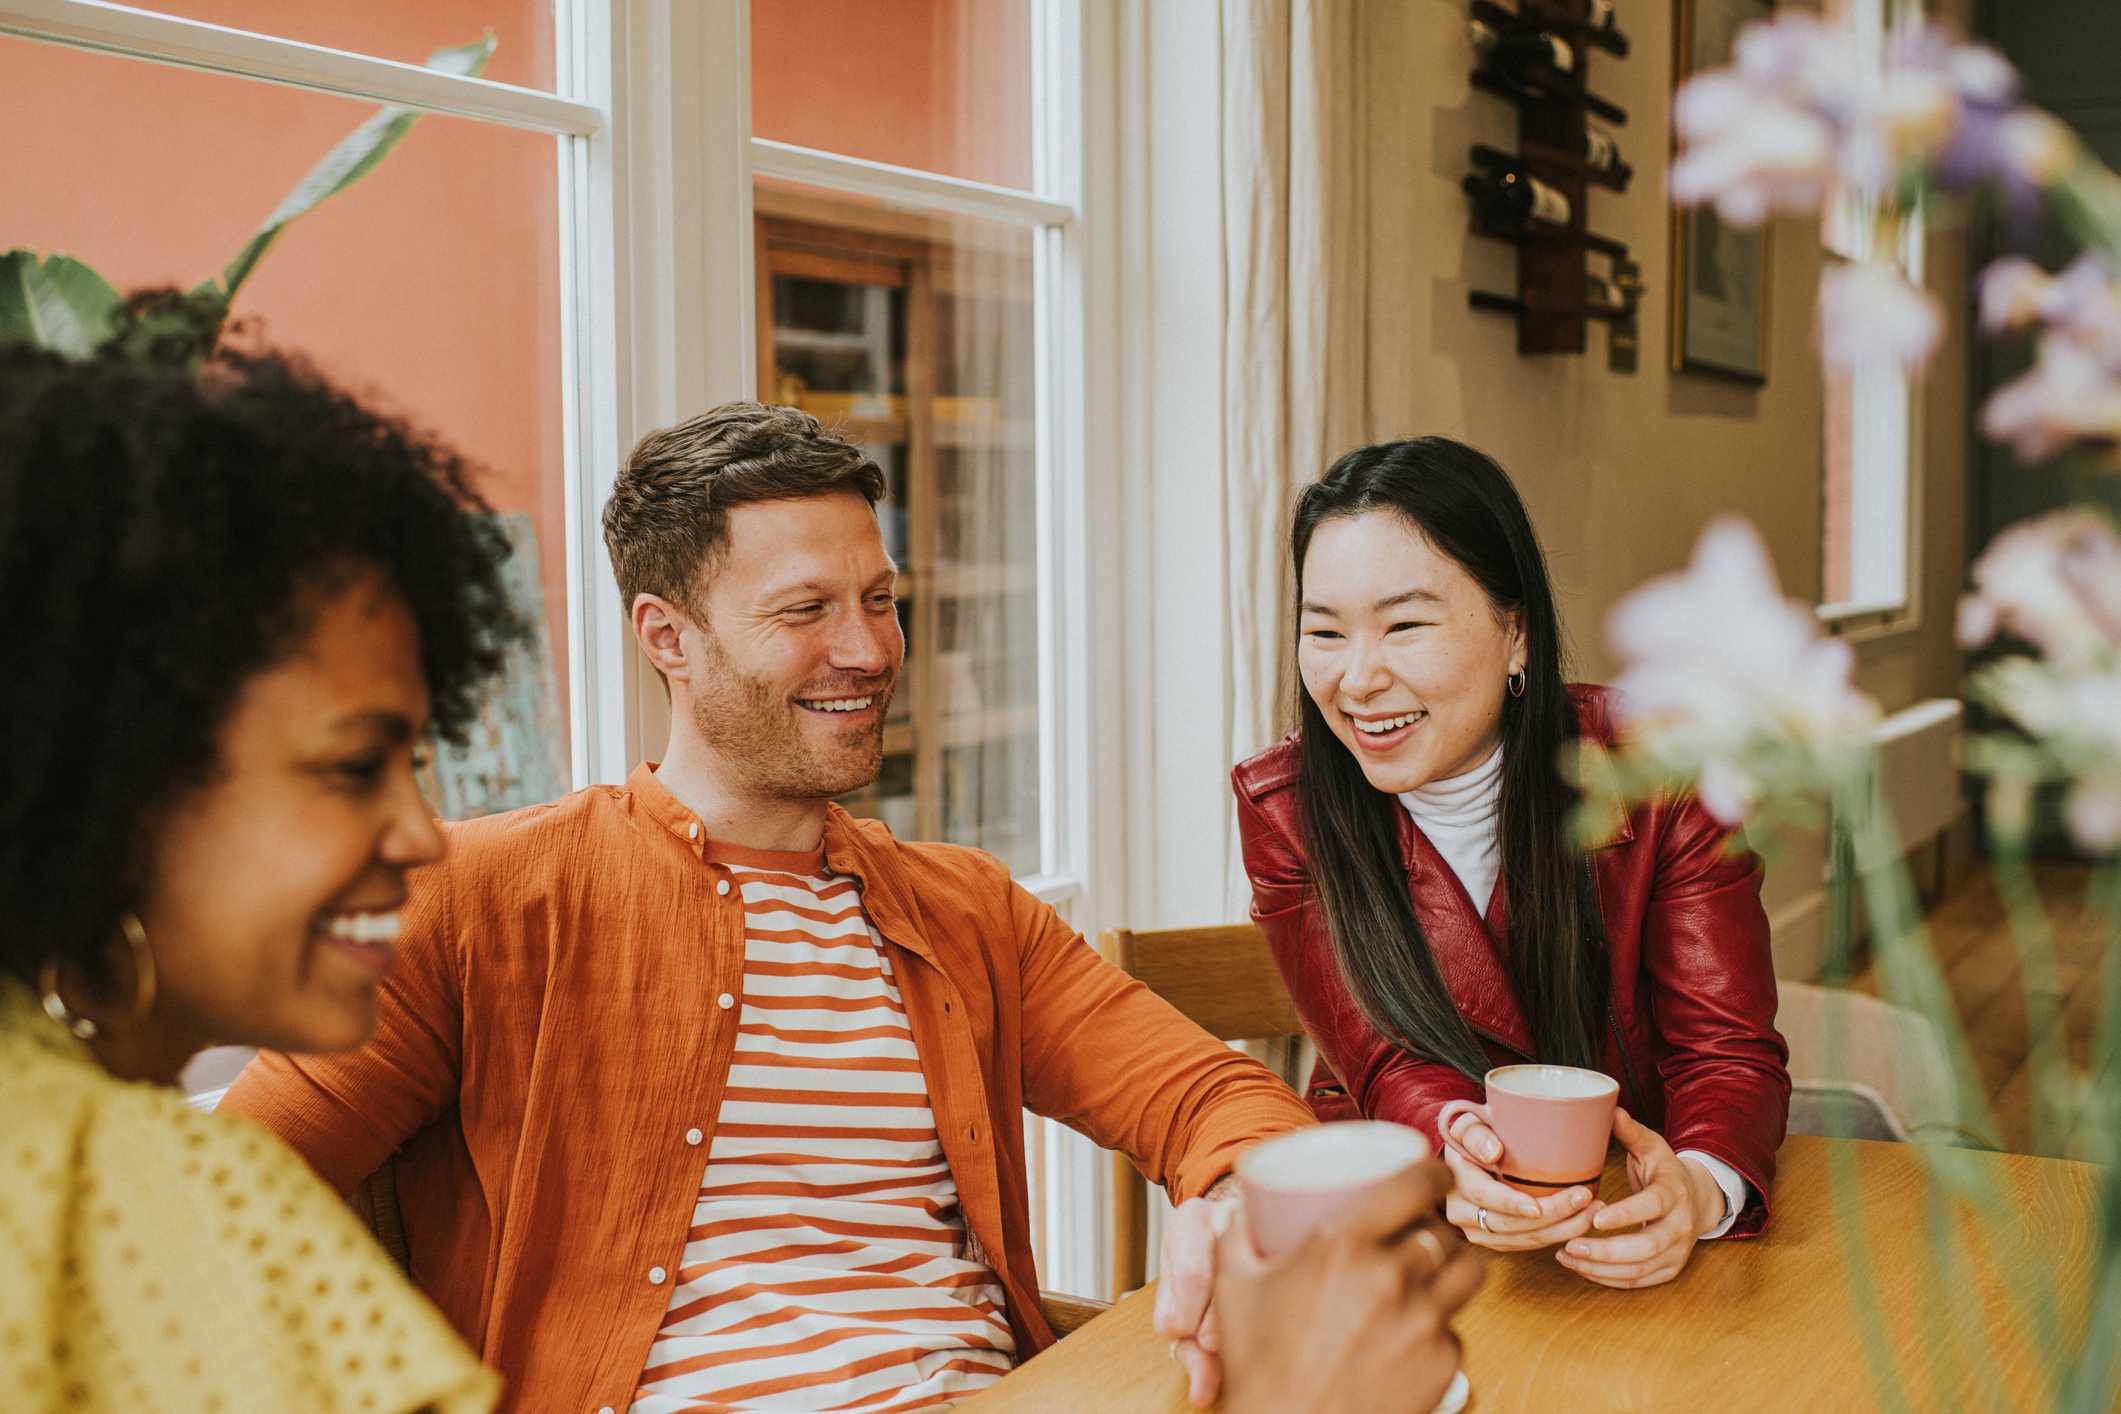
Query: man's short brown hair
[[668, 517]]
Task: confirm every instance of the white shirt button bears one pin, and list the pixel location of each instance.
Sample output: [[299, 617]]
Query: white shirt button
[[693, 1136], [721, 886], [725, 1001], [656, 1275], [692, 831]]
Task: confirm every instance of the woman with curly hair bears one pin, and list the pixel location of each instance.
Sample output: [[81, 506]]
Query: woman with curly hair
[[237, 601]]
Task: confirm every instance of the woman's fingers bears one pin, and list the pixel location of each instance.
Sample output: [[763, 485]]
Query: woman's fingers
[[1654, 1240], [1498, 1236], [1474, 1136], [1638, 1139], [1626, 1277], [1186, 1267], [1204, 1373], [1647, 1206], [1484, 1190]]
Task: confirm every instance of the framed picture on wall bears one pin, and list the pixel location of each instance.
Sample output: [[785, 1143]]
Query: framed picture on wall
[[1719, 276]]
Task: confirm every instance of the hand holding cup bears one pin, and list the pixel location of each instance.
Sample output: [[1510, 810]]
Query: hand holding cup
[[1528, 1158], [1356, 1313]]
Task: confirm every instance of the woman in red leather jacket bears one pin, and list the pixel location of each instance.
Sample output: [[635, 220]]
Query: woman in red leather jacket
[[1413, 868]]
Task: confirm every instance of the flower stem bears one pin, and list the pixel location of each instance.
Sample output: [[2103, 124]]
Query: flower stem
[[2087, 201], [2046, 1061], [2103, 1108], [1907, 967]]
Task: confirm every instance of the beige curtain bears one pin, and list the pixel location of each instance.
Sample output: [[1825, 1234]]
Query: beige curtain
[[1295, 280]]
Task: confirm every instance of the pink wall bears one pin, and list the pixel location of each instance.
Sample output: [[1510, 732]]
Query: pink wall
[[943, 85], [432, 287]]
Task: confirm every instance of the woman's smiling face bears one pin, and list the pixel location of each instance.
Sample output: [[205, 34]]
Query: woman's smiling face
[[1403, 652], [272, 909]]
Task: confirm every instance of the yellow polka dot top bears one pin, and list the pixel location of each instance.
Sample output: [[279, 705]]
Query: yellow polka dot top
[[156, 1258]]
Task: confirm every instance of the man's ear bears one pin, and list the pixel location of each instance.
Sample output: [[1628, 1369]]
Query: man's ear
[[659, 626]]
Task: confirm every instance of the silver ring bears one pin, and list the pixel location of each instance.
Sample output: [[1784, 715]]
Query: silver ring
[[1482, 1215]]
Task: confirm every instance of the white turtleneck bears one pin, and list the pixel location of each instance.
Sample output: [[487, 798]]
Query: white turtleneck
[[1462, 818]]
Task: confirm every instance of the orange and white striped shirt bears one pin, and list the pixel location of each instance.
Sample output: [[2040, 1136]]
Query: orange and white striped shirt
[[828, 1264]]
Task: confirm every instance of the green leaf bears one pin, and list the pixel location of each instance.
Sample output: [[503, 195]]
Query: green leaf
[[57, 304], [351, 160]]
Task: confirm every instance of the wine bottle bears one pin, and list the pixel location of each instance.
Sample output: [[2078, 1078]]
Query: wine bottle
[[1603, 296], [1601, 155], [1523, 56], [1508, 199]]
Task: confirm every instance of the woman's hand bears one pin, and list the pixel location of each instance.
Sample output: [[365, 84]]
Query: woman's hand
[[1514, 1221], [1358, 1317], [1675, 1199], [1185, 1288]]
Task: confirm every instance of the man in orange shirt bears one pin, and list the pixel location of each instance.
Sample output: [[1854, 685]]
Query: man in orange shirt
[[706, 1093]]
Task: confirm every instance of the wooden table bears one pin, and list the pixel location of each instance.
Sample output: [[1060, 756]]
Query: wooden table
[[1767, 1324]]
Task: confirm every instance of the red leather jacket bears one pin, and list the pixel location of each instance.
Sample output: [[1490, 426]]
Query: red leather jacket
[[1692, 980]]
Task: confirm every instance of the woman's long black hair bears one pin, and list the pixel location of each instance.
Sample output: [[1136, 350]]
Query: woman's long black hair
[[1464, 504]]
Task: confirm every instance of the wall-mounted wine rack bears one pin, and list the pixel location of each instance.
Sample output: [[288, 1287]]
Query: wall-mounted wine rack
[[1536, 56]]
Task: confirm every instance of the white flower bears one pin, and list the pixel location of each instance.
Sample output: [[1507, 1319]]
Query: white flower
[[2054, 581], [2075, 720], [2067, 397], [1868, 314], [1725, 680], [1800, 109], [2014, 294], [2094, 814], [1751, 157], [2032, 148]]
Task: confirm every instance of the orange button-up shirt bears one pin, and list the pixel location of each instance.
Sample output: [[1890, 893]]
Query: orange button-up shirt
[[554, 1041]]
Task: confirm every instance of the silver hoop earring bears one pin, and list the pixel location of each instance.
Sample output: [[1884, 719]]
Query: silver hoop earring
[[144, 981], [1517, 683]]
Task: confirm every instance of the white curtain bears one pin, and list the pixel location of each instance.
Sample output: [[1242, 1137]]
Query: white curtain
[[1295, 281], [1241, 286], [1239, 291]]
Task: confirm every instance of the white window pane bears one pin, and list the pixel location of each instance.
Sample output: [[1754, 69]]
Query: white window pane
[[431, 290], [939, 85], [914, 335], [393, 29]]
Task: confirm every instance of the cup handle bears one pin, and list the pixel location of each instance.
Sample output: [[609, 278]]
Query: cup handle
[[1448, 1114]]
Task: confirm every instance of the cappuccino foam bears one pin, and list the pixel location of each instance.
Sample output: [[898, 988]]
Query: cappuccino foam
[[1328, 1156], [1552, 1082]]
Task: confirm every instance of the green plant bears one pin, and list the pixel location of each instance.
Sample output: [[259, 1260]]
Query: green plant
[[58, 302]]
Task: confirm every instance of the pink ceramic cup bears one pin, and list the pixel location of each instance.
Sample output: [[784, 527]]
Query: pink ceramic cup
[[1554, 1122], [1297, 1181]]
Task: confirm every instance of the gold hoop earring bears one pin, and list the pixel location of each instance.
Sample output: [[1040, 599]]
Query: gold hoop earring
[[1517, 682], [144, 983]]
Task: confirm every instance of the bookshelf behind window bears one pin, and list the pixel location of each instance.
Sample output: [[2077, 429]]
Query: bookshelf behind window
[[913, 338]]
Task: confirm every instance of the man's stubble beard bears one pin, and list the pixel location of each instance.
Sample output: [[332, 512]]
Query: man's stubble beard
[[757, 734]]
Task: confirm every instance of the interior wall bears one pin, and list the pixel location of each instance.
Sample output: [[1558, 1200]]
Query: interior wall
[[1622, 470], [431, 288]]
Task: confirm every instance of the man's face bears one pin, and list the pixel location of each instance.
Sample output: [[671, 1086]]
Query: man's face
[[798, 636]]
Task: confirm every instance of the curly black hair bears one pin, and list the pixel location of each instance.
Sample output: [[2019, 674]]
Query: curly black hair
[[167, 532]]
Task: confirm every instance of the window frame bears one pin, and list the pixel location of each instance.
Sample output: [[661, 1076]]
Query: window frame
[[651, 106], [1849, 233]]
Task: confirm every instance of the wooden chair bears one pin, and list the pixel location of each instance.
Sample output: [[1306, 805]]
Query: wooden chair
[[375, 1201], [1223, 978]]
